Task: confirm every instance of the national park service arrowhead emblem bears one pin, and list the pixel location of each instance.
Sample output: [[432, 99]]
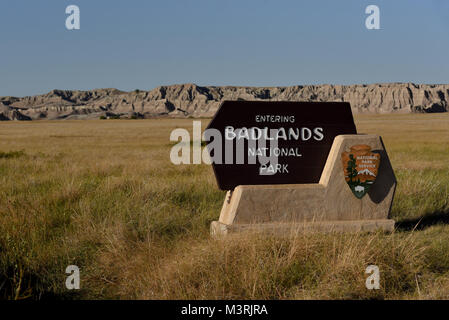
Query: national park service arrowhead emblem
[[360, 167]]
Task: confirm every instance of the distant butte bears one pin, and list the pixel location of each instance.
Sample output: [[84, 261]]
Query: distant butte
[[190, 100]]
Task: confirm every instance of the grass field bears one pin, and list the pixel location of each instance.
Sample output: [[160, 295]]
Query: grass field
[[103, 195]]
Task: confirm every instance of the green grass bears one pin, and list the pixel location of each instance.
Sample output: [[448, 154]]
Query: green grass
[[103, 195]]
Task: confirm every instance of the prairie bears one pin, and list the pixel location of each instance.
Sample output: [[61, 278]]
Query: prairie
[[103, 195]]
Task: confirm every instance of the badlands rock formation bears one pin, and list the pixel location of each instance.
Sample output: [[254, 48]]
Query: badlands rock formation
[[190, 100]]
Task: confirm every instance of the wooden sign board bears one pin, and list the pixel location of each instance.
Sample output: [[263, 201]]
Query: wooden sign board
[[304, 133]]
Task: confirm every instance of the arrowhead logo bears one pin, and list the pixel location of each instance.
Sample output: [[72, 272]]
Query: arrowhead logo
[[360, 167]]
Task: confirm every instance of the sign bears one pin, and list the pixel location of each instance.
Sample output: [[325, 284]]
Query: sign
[[360, 167], [275, 142]]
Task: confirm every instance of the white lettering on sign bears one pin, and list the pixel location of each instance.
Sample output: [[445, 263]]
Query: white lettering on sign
[[303, 133], [274, 118]]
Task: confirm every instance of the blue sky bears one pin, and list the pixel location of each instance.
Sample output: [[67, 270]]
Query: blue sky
[[143, 44]]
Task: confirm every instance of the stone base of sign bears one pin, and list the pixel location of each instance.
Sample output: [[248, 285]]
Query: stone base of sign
[[328, 205], [288, 228]]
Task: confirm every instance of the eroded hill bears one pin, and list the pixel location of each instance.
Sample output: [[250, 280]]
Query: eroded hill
[[190, 100]]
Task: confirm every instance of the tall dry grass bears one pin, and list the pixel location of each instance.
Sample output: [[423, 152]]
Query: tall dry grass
[[103, 195]]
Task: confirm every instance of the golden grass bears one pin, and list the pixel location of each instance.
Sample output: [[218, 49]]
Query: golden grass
[[104, 195]]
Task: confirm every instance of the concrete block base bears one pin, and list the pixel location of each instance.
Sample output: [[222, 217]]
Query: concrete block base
[[218, 229], [329, 205]]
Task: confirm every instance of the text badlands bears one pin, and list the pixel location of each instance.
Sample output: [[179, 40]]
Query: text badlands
[[265, 133]]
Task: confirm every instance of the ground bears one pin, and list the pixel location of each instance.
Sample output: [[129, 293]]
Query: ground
[[103, 195]]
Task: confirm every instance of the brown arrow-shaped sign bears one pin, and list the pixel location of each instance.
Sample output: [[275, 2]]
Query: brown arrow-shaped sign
[[289, 140]]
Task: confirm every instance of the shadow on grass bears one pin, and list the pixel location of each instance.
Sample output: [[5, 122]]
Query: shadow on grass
[[11, 154], [30, 287], [20, 283], [421, 223]]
